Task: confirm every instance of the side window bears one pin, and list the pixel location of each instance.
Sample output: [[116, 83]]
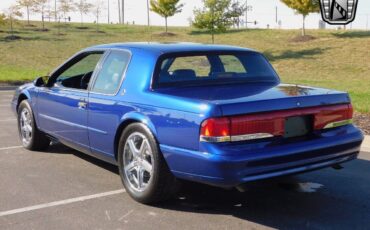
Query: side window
[[78, 75], [199, 64], [110, 76], [232, 64]]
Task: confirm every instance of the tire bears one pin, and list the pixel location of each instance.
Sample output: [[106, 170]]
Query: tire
[[156, 185], [31, 137]]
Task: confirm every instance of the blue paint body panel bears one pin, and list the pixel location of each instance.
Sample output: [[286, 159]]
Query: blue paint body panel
[[174, 116]]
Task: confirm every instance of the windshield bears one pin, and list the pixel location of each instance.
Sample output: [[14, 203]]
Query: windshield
[[214, 68]]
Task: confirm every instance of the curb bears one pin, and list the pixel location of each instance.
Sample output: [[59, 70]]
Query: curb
[[366, 144], [10, 87]]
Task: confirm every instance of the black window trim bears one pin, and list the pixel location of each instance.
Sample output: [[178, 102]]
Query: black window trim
[[70, 62], [155, 81]]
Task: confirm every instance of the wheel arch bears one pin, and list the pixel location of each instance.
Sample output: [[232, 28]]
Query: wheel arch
[[21, 98], [130, 118]]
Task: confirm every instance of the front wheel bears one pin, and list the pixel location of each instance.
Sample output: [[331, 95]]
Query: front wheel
[[143, 169], [32, 138]]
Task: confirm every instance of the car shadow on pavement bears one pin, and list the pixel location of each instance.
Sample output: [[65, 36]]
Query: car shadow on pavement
[[57, 148], [325, 199], [319, 200]]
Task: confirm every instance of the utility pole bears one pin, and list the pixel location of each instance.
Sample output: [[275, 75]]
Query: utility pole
[[247, 8], [119, 12], [55, 10], [108, 12], [276, 14], [123, 11], [148, 11], [246, 13], [367, 21]]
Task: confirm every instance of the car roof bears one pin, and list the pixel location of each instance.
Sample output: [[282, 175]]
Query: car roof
[[164, 48]]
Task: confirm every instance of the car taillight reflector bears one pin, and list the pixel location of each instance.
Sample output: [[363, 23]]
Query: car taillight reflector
[[216, 130], [333, 116], [262, 123], [270, 124]]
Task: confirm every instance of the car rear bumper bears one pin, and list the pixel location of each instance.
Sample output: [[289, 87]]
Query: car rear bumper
[[229, 165]]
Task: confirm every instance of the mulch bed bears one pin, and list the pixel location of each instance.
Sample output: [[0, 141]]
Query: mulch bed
[[12, 37], [165, 34], [305, 38], [363, 122]]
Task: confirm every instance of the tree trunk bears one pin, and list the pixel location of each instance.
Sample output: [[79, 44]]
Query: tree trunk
[[97, 24], [304, 26], [43, 21], [213, 36], [82, 19], [165, 18], [55, 11], [28, 15], [11, 26]]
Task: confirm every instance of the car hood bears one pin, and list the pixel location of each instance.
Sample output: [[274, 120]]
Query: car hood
[[252, 98]]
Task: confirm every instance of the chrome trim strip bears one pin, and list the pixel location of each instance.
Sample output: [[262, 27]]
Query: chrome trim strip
[[215, 139], [253, 136], [246, 137], [338, 123]]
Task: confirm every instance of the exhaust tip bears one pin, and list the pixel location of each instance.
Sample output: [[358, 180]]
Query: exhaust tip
[[337, 167]]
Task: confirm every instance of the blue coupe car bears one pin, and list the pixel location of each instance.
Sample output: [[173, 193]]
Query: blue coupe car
[[212, 114]]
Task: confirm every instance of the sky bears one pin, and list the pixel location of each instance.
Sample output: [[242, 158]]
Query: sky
[[263, 11]]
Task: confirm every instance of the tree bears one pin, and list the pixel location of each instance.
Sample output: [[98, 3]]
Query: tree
[[84, 8], [40, 7], [66, 6], [28, 4], [98, 9], [303, 7], [2, 19], [166, 8], [236, 11], [11, 14], [214, 16]]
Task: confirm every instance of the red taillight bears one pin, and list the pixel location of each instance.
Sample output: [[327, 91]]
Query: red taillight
[[215, 130], [216, 127], [333, 114], [263, 125], [328, 117]]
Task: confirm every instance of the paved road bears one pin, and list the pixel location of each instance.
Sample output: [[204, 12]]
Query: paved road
[[64, 189]]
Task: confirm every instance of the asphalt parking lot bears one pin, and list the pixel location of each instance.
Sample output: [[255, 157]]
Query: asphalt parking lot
[[65, 189]]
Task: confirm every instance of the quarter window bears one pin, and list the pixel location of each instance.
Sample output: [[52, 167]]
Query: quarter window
[[110, 76]]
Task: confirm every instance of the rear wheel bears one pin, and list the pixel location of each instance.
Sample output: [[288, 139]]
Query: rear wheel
[[32, 138], [143, 170]]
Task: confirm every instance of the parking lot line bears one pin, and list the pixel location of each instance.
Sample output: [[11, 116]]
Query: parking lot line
[[11, 147], [61, 202]]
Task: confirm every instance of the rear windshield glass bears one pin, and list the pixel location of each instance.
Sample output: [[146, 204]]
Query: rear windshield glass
[[213, 68]]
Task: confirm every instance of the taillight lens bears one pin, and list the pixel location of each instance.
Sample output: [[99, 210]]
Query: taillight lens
[[334, 116], [216, 130], [264, 125]]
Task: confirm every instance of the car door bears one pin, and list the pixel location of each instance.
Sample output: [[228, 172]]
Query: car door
[[62, 107], [105, 105]]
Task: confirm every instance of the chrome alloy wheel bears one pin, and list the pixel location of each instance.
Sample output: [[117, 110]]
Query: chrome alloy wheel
[[138, 161], [25, 124]]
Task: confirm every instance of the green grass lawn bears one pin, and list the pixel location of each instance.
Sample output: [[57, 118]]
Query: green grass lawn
[[336, 59]]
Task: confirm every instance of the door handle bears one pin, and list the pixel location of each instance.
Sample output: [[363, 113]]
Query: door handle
[[82, 105]]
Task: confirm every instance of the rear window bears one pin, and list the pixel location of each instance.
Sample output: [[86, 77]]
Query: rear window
[[213, 68]]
